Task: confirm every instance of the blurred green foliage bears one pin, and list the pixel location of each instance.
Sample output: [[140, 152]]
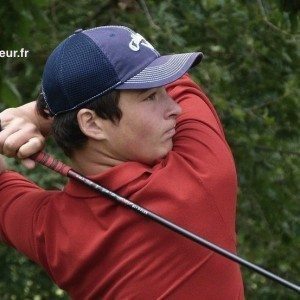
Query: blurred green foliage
[[251, 73]]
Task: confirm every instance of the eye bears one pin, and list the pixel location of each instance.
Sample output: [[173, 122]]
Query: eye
[[151, 97]]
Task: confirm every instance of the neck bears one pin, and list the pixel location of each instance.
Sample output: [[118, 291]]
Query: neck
[[93, 159]]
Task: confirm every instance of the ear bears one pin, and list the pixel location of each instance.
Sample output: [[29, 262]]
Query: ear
[[90, 124]]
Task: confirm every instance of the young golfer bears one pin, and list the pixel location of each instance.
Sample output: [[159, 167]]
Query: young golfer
[[135, 122]]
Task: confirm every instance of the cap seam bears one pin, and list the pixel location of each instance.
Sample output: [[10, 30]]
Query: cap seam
[[90, 99], [101, 50], [45, 98]]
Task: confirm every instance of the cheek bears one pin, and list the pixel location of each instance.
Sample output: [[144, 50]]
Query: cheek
[[139, 137], [141, 140], [149, 144], [147, 133], [140, 127]]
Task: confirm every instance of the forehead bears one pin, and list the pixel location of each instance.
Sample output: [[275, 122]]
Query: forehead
[[138, 94]]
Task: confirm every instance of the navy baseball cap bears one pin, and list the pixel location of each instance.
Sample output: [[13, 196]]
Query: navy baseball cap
[[92, 62]]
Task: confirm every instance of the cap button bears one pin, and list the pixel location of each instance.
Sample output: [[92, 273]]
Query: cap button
[[78, 30]]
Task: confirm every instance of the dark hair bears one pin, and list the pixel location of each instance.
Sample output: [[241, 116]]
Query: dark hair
[[65, 128]]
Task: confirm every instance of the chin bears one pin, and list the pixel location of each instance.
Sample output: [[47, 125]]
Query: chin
[[162, 155], [152, 160]]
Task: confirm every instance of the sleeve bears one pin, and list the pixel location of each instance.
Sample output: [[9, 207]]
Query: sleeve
[[195, 103], [199, 130], [201, 142], [20, 200]]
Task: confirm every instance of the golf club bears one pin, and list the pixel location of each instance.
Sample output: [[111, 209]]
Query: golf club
[[55, 165]]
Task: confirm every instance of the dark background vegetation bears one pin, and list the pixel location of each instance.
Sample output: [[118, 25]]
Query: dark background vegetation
[[251, 73]]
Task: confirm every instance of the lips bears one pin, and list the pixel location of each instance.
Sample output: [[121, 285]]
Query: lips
[[171, 132]]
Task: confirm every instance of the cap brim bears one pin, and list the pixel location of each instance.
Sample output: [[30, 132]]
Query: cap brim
[[163, 70]]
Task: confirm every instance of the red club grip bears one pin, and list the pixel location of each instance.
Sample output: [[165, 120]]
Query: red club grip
[[51, 163]]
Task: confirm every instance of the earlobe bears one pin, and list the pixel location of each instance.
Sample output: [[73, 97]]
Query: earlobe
[[90, 124]]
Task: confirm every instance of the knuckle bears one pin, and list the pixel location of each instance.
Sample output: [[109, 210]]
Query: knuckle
[[9, 148], [8, 145], [37, 142], [17, 121], [30, 127]]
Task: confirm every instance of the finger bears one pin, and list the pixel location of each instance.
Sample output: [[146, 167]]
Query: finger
[[13, 126], [10, 145], [28, 163], [17, 133], [14, 141], [5, 133], [34, 145]]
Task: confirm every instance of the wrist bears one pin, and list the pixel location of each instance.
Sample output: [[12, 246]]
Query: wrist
[[28, 112]]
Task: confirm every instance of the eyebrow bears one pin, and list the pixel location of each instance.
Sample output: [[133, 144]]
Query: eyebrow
[[144, 91]]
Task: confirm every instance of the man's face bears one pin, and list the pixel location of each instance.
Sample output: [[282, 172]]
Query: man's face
[[144, 133]]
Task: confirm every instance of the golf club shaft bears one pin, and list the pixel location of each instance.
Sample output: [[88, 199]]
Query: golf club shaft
[[65, 170]]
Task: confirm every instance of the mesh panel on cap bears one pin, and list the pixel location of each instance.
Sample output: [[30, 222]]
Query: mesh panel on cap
[[77, 71], [53, 92], [86, 71]]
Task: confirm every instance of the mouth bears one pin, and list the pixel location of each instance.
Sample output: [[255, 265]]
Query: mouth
[[170, 133]]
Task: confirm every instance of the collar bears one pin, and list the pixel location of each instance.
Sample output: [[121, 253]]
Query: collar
[[114, 179]]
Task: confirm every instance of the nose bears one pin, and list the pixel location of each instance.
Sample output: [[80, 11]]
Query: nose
[[173, 108]]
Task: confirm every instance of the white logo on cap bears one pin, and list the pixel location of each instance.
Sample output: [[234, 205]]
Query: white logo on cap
[[138, 40]]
